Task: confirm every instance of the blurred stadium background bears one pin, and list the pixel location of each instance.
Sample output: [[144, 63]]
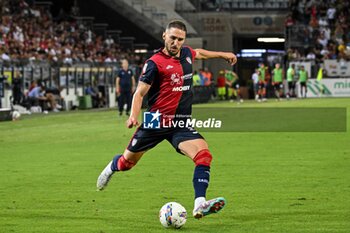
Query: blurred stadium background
[[292, 182], [70, 44]]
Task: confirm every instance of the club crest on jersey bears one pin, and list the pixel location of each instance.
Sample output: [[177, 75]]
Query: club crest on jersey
[[188, 59], [175, 79]]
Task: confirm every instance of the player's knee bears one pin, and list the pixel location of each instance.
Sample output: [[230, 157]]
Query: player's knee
[[203, 157], [124, 164]]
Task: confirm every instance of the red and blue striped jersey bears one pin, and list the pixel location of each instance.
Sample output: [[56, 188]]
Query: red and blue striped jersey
[[171, 83]]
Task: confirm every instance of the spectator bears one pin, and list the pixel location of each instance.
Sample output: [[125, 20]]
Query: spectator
[[322, 22], [37, 95], [322, 40], [96, 96], [310, 55], [29, 32], [289, 22], [331, 15], [338, 33], [341, 50], [5, 56], [328, 32], [313, 23]]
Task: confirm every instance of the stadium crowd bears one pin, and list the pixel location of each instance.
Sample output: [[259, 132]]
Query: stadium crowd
[[323, 27], [30, 33]]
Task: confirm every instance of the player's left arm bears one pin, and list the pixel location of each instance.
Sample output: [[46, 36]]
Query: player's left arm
[[206, 54]]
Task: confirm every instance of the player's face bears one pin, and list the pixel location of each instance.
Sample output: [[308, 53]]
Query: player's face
[[173, 40], [125, 64]]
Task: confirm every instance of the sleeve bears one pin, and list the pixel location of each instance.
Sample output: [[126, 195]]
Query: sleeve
[[193, 53], [149, 72]]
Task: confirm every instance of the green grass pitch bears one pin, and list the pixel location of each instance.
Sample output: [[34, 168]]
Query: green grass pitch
[[273, 182]]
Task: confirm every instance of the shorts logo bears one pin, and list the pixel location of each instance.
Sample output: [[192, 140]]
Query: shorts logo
[[188, 59], [151, 120], [133, 142]]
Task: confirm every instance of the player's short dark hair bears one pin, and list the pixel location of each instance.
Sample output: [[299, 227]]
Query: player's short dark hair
[[176, 24]]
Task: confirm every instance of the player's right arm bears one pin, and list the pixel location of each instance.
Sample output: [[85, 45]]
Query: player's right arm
[[141, 91], [149, 73]]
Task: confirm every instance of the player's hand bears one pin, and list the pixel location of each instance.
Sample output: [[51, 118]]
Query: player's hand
[[131, 122], [230, 58]]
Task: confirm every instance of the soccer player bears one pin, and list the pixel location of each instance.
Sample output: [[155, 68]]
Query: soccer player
[[221, 85], [303, 77], [290, 80], [277, 80], [167, 79], [232, 81], [262, 82], [196, 79], [236, 88], [125, 85], [255, 79]]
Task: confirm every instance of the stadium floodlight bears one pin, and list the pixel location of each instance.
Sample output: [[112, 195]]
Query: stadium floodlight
[[140, 50], [250, 55], [253, 50], [271, 39]]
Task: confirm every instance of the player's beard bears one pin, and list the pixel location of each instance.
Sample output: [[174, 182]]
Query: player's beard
[[172, 51]]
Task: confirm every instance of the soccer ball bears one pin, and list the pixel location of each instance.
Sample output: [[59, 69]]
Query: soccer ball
[[172, 214], [15, 115]]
